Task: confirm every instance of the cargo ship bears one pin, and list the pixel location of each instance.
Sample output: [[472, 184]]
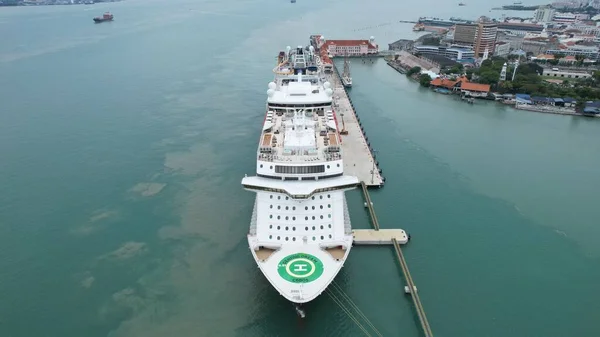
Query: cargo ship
[[105, 17]]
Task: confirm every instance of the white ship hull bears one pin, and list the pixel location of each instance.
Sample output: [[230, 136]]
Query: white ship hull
[[300, 233], [347, 81]]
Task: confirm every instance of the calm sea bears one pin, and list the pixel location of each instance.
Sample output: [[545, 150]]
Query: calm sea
[[122, 147]]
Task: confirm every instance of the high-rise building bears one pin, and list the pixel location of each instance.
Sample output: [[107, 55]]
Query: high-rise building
[[480, 36], [485, 38], [543, 14]]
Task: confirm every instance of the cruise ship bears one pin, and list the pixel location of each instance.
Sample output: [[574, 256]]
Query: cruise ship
[[300, 233]]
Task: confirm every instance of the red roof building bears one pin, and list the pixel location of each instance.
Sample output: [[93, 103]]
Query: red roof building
[[351, 47]]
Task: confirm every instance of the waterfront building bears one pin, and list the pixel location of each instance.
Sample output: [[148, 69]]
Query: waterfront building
[[452, 52], [401, 44], [543, 14], [475, 89], [480, 36], [351, 47], [519, 29]]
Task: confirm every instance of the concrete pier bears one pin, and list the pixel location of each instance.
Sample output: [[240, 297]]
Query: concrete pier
[[358, 157], [379, 237]]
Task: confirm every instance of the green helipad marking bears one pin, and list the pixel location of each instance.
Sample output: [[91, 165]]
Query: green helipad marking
[[300, 268]]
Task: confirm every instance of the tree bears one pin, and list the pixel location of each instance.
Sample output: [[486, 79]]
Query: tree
[[412, 71], [424, 80], [559, 56], [579, 106]]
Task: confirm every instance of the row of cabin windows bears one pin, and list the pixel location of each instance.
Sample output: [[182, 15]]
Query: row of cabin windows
[[287, 228], [314, 238], [294, 218], [293, 208]]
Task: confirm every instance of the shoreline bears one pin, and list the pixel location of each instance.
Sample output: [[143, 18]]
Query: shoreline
[[532, 108]]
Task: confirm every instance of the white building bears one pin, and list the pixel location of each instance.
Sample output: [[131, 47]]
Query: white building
[[543, 14], [351, 47], [502, 49], [562, 74]]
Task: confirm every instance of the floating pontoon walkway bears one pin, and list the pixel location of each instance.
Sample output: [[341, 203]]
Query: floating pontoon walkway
[[396, 237]]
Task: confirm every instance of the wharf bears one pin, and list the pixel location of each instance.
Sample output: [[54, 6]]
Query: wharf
[[359, 160]]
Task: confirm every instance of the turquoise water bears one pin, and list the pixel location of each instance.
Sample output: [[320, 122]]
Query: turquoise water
[[123, 145]]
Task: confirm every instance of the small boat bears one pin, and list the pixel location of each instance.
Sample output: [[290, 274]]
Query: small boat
[[462, 4], [105, 17], [293, 1], [346, 78]]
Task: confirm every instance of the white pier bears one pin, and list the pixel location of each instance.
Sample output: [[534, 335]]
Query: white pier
[[379, 237], [358, 158]]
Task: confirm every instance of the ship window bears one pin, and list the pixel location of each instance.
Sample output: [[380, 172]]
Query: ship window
[[278, 207], [287, 198], [305, 218], [286, 208], [329, 196], [271, 196], [278, 197], [286, 217], [293, 208], [314, 238], [321, 226], [329, 225], [313, 228], [328, 205], [271, 167], [306, 229], [270, 206], [321, 237], [321, 217], [270, 226], [286, 238], [306, 208], [278, 227], [330, 236], [313, 207], [270, 216], [279, 237], [313, 217], [338, 165], [278, 217], [287, 228], [327, 166], [321, 206], [270, 236], [261, 165], [293, 228], [313, 197], [320, 197], [329, 216], [293, 218], [294, 239]]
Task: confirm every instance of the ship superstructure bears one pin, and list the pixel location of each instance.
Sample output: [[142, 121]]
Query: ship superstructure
[[300, 232], [346, 77]]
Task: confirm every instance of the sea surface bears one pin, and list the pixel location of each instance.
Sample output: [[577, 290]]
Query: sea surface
[[122, 147]]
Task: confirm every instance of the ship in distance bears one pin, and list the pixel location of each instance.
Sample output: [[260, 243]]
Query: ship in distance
[[105, 17], [300, 233]]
